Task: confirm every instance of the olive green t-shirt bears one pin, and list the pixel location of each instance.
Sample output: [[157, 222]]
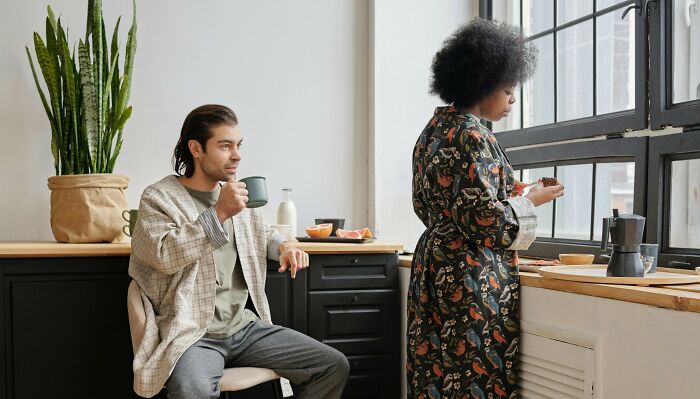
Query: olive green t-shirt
[[230, 313]]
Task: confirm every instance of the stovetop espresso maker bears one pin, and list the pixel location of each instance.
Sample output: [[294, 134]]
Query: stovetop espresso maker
[[625, 233]]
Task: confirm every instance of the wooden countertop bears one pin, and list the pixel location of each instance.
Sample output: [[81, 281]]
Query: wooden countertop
[[55, 249], [683, 297], [332, 248]]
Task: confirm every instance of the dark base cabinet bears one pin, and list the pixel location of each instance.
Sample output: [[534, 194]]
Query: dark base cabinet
[[64, 329]]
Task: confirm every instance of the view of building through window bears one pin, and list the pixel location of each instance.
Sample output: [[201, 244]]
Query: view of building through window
[[614, 189], [684, 231], [561, 88], [686, 51]]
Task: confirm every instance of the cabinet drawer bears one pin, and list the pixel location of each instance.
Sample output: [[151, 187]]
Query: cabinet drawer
[[355, 322], [374, 376], [353, 271]]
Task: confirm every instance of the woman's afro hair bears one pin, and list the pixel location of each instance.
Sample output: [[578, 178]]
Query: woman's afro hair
[[479, 58]]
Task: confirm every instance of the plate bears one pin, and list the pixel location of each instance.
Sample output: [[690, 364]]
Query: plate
[[336, 239]]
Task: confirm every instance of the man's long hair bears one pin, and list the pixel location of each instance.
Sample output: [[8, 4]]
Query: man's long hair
[[197, 126]]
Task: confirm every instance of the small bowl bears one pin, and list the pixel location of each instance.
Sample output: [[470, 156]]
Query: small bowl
[[576, 259], [337, 223]]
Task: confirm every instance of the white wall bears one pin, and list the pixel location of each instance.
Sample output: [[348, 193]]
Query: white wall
[[296, 73], [406, 34]]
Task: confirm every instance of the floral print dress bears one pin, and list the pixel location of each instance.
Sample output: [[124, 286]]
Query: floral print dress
[[463, 326]]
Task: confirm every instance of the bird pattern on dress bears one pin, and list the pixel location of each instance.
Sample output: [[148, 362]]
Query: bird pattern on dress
[[463, 324]]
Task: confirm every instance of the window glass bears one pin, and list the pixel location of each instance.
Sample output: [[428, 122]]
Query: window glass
[[538, 92], [506, 11], [575, 72], [686, 50], [538, 16], [615, 62], [603, 4], [544, 212], [684, 229], [573, 210], [614, 189], [568, 10]]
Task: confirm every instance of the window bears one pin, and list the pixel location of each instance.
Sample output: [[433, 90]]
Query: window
[[600, 176], [675, 63], [585, 83], [591, 80], [674, 198]]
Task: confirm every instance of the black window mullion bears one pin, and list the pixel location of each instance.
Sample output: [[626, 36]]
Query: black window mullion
[[595, 62], [593, 181], [554, 49], [554, 207], [522, 86]]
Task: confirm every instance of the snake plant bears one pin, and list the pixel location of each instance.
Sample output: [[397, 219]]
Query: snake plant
[[87, 102]]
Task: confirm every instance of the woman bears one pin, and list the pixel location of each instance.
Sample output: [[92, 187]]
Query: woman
[[463, 322]]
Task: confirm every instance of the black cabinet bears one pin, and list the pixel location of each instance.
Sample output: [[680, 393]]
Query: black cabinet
[[64, 329], [351, 302]]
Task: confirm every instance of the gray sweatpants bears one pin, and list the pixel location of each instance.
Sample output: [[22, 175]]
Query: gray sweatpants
[[319, 370]]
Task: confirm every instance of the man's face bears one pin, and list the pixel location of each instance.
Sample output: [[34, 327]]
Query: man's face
[[222, 156]]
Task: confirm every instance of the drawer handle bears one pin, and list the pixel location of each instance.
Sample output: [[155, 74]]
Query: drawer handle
[[355, 299], [355, 260]]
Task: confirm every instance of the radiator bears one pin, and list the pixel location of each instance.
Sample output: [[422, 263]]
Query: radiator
[[555, 363]]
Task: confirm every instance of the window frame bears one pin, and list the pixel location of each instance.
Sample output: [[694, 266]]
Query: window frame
[[626, 149], [662, 150], [663, 111], [607, 124]]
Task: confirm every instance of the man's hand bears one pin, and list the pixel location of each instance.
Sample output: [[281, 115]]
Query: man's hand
[[232, 199], [541, 195], [292, 258]]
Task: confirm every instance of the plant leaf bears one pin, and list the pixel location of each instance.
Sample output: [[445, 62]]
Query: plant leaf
[[87, 84], [128, 65], [88, 27], [97, 65], [71, 85], [53, 86], [105, 98], [52, 121], [115, 82]]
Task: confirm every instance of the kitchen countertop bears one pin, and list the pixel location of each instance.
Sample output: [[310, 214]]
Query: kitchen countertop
[[55, 249], [684, 297]]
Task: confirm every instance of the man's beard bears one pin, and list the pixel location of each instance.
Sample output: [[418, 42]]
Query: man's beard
[[217, 175]]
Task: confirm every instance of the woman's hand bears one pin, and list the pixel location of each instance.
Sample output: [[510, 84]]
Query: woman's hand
[[541, 195]]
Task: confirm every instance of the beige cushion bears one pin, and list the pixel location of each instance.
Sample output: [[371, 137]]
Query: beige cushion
[[234, 379]]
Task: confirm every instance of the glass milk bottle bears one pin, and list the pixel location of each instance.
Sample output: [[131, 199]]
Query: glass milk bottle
[[286, 211]]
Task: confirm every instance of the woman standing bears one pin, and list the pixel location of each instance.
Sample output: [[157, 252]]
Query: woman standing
[[463, 323]]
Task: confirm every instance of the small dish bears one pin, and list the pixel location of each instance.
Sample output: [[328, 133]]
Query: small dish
[[576, 259]]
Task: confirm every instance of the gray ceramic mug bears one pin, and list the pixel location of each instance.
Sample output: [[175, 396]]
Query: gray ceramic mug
[[130, 215], [257, 191]]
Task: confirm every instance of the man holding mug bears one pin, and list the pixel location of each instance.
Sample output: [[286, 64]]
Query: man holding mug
[[199, 255]]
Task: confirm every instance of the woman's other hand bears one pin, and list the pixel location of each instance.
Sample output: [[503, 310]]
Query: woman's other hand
[[541, 195]]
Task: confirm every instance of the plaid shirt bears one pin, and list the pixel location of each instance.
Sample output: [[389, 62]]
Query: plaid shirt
[[172, 261]]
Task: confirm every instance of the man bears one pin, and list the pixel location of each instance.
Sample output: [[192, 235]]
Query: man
[[198, 255]]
